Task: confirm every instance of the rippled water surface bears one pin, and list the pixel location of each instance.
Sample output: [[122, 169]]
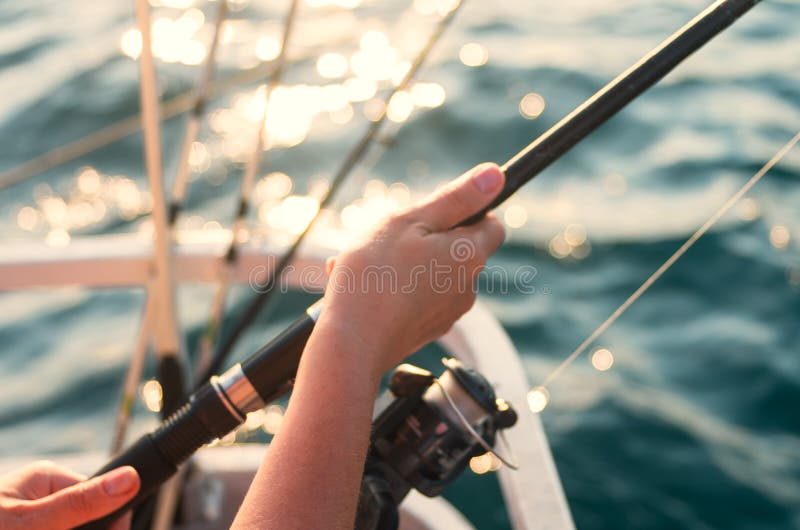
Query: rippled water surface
[[695, 425]]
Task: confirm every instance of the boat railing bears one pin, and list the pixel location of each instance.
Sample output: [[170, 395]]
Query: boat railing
[[533, 494]]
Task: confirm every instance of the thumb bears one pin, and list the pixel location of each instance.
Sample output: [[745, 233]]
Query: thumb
[[462, 198], [89, 500]]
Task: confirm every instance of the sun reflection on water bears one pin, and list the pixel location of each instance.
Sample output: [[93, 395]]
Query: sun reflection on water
[[174, 40], [152, 395], [484, 463], [88, 202], [538, 398], [602, 359], [473, 54]]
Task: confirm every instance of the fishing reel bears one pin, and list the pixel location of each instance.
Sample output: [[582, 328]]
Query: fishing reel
[[424, 432]]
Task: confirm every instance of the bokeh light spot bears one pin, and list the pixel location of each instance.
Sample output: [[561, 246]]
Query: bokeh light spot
[[602, 359], [531, 105], [779, 237], [473, 54], [538, 398]]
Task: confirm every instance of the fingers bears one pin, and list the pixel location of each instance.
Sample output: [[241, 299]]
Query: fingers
[[61, 477], [88, 500], [487, 234], [40, 479], [467, 195], [330, 263]]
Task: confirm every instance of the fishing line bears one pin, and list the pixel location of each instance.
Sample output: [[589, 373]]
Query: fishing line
[[510, 462], [541, 397]]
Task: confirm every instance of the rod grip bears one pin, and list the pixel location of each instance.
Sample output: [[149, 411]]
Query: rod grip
[[272, 369], [157, 455]]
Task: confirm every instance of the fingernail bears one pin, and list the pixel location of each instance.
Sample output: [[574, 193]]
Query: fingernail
[[119, 481], [486, 178]]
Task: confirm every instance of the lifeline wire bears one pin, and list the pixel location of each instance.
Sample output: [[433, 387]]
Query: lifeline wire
[[672, 259]]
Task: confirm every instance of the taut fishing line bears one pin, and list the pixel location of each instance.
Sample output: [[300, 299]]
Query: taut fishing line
[[540, 390], [220, 405]]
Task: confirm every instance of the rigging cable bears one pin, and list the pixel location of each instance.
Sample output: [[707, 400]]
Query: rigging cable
[[127, 126], [538, 394], [266, 288]]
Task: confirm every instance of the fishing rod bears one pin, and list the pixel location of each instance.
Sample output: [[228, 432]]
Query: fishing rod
[[179, 187], [267, 287], [165, 327], [221, 404], [157, 513], [209, 338], [176, 204]]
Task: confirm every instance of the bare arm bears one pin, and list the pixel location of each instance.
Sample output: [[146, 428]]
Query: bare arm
[[315, 463], [311, 475]]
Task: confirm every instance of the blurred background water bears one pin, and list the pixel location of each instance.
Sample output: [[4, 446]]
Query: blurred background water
[[695, 425]]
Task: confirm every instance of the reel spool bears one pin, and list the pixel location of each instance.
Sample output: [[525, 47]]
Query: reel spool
[[425, 430]]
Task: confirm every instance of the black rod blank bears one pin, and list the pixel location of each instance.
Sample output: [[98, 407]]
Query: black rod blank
[[532, 160], [271, 368], [610, 99]]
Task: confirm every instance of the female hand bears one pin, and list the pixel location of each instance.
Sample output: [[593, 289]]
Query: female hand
[[414, 275], [45, 495]]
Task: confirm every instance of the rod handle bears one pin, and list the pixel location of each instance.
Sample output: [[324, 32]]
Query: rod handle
[[157, 455]]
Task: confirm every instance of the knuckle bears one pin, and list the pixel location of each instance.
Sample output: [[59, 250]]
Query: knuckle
[[481, 257], [473, 296], [457, 200], [399, 219], [393, 219], [444, 329], [495, 232], [477, 262], [401, 216], [43, 466]]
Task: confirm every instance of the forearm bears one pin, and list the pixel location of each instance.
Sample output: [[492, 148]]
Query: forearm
[[311, 475]]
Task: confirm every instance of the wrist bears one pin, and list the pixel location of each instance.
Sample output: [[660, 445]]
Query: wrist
[[350, 341]]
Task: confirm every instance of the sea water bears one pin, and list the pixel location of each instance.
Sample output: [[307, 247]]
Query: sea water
[[696, 423]]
